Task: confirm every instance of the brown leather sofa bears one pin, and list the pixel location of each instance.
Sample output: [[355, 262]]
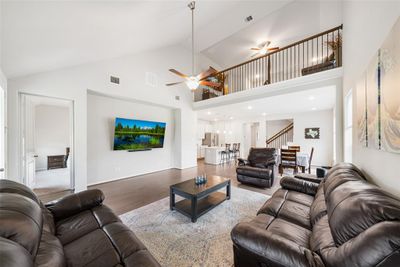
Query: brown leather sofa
[[77, 230], [342, 222], [259, 168]]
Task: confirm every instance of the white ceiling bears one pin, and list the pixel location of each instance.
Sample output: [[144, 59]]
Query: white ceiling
[[296, 21], [39, 36], [304, 101]]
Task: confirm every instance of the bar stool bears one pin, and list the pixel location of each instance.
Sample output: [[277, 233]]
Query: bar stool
[[228, 151]]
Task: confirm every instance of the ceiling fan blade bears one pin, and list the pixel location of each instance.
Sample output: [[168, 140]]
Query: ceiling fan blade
[[178, 73], [255, 48], [171, 84], [210, 83], [273, 49], [206, 73]]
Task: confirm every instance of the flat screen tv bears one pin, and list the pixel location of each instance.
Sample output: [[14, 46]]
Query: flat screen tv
[[138, 135]]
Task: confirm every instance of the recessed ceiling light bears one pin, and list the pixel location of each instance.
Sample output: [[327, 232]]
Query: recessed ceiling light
[[217, 131], [264, 114], [231, 118], [215, 119], [311, 97], [257, 76], [230, 132], [224, 132], [208, 112], [314, 109], [249, 107]]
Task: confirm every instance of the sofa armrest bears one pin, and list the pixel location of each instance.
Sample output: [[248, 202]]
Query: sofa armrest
[[299, 185], [270, 162], [75, 203], [243, 162], [257, 244], [309, 178]]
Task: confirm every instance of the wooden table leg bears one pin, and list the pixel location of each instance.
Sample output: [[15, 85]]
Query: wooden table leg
[[194, 209], [228, 190], [171, 199]]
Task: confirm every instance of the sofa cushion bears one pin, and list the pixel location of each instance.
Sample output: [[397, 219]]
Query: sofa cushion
[[14, 255], [21, 220], [318, 207], [355, 206], [76, 226], [280, 243], [92, 249], [291, 206], [51, 251]]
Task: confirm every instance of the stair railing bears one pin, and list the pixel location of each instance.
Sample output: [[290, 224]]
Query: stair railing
[[281, 138], [316, 53]]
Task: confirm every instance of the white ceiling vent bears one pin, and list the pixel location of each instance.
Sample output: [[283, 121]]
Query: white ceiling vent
[[151, 79], [114, 79]]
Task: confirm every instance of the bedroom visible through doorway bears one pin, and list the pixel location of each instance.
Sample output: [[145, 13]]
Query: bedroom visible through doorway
[[47, 142]]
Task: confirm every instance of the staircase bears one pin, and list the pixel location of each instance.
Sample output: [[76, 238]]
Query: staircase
[[281, 138]]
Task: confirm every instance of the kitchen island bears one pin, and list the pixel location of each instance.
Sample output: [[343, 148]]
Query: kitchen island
[[213, 155]]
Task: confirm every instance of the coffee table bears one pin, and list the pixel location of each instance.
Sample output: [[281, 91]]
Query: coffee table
[[199, 199]]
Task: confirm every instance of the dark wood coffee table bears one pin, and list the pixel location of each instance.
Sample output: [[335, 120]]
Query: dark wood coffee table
[[199, 199]]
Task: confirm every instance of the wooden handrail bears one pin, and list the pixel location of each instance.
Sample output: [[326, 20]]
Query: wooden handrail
[[280, 133], [278, 50]]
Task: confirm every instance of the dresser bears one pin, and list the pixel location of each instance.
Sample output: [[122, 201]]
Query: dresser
[[56, 162]]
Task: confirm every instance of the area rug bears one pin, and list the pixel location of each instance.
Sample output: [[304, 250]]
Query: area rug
[[177, 242]]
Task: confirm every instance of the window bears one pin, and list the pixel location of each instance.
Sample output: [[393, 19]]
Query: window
[[348, 126]]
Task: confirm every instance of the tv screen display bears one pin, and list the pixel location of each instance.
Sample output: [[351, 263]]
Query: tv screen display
[[138, 135]]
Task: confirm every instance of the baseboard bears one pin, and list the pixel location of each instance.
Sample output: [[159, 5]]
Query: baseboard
[[128, 177]]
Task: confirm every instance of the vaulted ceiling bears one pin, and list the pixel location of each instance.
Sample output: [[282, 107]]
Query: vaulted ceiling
[[39, 36]]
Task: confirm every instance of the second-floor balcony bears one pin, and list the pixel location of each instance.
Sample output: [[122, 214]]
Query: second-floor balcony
[[314, 54]]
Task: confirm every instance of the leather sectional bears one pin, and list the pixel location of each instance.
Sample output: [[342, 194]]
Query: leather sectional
[[342, 222], [77, 230], [259, 168]]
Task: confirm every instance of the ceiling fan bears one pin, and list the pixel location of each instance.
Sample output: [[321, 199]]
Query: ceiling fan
[[263, 49], [194, 81]]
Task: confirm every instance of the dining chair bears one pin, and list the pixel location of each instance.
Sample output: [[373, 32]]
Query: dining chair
[[288, 160], [310, 159], [297, 148]]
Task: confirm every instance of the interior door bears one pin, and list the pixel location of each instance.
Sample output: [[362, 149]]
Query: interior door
[[2, 133]]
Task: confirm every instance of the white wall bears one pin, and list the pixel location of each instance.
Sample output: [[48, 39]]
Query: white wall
[[52, 132], [323, 147], [73, 83], [105, 164], [366, 24]]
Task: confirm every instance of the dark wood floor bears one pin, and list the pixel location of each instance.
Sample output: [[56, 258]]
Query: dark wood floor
[[131, 193]]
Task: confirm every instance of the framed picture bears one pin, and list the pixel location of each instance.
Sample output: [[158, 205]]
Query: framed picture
[[311, 133]]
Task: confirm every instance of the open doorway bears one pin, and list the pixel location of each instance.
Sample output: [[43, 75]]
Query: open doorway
[[2, 133], [47, 143]]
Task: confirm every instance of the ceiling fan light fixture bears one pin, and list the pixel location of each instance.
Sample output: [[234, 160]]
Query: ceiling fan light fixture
[[262, 51], [193, 82]]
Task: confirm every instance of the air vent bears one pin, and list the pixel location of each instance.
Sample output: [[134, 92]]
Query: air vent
[[114, 79], [151, 79], [248, 19]]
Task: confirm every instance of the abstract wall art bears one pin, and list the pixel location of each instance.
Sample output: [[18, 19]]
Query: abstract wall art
[[390, 84], [378, 97]]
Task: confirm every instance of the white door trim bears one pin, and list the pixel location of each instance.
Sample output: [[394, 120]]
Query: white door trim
[[21, 146]]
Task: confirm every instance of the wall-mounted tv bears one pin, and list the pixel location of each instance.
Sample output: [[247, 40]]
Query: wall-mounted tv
[[138, 135]]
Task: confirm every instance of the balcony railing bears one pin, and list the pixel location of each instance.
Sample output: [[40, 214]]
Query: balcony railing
[[317, 53]]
